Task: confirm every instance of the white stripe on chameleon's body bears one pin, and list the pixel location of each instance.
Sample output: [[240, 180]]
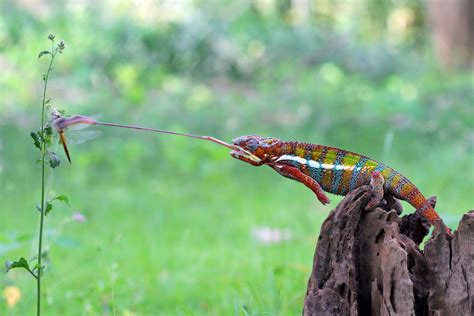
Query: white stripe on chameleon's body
[[292, 158], [316, 164]]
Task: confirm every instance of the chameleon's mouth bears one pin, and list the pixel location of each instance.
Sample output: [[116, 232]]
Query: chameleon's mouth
[[239, 152]]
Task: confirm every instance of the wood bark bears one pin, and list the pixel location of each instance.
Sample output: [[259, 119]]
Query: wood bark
[[369, 262]]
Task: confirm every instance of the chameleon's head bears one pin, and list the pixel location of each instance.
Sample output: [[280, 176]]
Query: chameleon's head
[[256, 148]]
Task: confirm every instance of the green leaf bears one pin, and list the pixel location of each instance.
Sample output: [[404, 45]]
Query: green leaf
[[53, 159], [48, 135], [62, 198], [22, 263], [45, 52], [36, 139], [49, 204], [49, 208]]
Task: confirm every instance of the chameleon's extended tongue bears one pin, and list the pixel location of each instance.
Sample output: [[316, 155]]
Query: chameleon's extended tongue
[[210, 138], [62, 123]]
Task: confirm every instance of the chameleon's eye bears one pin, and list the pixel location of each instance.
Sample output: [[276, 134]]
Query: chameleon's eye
[[252, 144]]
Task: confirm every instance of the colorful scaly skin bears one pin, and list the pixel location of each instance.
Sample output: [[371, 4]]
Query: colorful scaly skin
[[322, 168]]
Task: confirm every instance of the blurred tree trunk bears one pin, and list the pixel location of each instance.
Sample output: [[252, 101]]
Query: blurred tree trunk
[[452, 25], [370, 263]]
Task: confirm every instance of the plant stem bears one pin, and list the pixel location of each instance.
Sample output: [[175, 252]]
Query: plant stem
[[43, 154], [32, 273]]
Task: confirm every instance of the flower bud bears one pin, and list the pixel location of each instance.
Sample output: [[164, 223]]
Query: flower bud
[[61, 46]]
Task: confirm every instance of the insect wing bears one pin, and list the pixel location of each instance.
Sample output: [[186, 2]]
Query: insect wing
[[77, 127], [81, 136]]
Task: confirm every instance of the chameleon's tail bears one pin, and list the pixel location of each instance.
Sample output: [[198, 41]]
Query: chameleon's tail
[[428, 212], [424, 206]]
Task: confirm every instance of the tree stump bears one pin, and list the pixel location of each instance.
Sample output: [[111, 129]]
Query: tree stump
[[370, 263]]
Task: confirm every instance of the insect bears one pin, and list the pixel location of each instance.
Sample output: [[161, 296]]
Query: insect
[[329, 169], [75, 135]]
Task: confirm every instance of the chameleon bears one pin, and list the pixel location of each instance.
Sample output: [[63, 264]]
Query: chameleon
[[334, 170]]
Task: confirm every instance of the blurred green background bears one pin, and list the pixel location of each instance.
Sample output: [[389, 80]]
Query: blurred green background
[[163, 225]]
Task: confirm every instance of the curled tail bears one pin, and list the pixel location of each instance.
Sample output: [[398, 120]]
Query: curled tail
[[423, 205], [406, 190], [427, 211]]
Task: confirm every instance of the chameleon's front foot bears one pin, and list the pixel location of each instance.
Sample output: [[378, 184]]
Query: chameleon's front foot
[[295, 174], [376, 184]]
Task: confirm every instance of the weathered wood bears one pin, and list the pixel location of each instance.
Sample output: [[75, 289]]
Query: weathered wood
[[370, 263]]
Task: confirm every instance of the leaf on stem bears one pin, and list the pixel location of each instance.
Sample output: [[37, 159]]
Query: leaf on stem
[[49, 208], [48, 135], [36, 139], [62, 198], [49, 204], [45, 52], [21, 263]]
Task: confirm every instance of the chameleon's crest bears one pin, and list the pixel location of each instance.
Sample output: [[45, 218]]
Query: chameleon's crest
[[253, 142], [269, 142]]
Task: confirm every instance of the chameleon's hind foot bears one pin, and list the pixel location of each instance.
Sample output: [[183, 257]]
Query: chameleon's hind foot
[[376, 184]]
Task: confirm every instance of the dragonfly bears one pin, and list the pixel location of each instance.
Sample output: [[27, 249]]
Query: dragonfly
[[61, 124], [74, 134]]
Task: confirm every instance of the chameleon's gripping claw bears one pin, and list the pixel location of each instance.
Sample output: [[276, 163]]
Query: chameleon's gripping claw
[[376, 183]]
